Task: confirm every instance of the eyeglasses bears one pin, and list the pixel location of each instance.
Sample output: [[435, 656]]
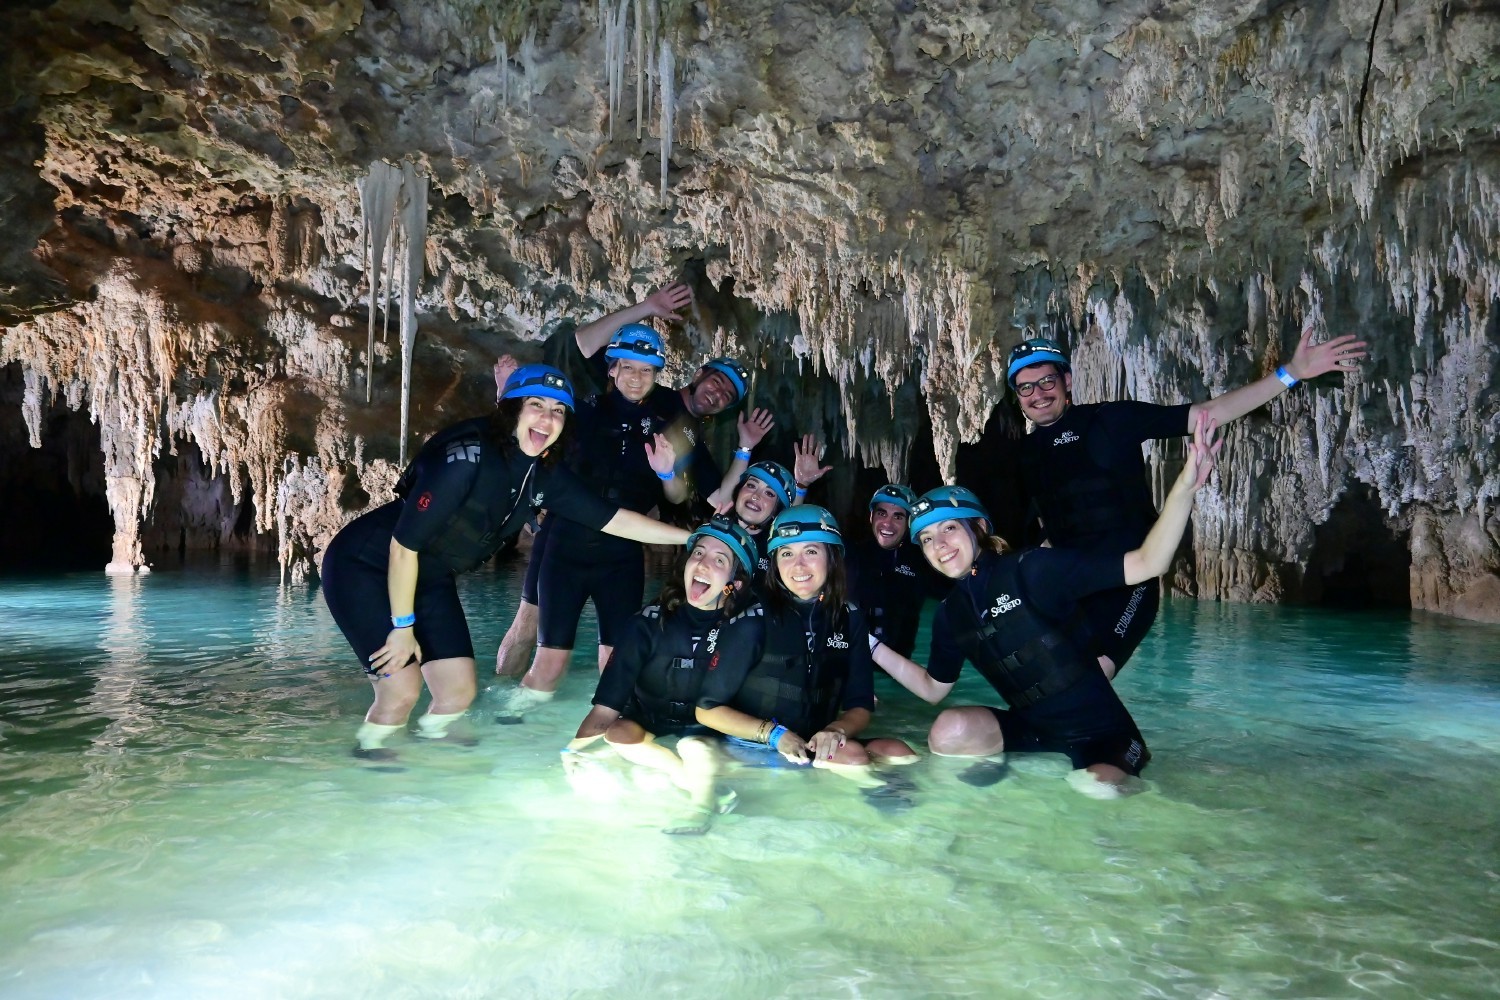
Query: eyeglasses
[[1045, 383]]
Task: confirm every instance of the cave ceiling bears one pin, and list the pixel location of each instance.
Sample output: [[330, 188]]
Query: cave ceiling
[[884, 196]]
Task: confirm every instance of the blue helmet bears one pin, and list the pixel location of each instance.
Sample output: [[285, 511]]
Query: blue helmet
[[1036, 351], [774, 475], [539, 380], [637, 342], [896, 495], [807, 523], [738, 374], [732, 535], [946, 503]]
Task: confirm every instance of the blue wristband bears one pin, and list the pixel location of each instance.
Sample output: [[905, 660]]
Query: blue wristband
[[1286, 378], [801, 491], [669, 474], [775, 735], [403, 621], [742, 453]]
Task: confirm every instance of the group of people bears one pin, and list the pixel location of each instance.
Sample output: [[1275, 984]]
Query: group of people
[[763, 645]]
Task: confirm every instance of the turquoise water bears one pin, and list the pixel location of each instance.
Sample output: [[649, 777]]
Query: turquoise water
[[180, 817]]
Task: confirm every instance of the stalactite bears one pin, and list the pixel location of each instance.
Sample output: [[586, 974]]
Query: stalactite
[[412, 213], [378, 190], [666, 68]]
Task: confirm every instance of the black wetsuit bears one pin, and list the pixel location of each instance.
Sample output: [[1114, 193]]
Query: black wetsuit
[[891, 586], [590, 377], [812, 669], [1010, 619], [1087, 478], [661, 664], [464, 495], [578, 563]]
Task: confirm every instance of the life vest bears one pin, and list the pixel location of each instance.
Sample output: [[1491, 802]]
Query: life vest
[[800, 678], [671, 678], [1024, 656], [475, 530], [1082, 502]]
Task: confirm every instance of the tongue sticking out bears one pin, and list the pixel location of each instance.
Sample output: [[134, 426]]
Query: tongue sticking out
[[696, 590]]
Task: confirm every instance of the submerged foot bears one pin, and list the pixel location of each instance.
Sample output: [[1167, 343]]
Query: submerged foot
[[894, 796], [984, 773], [698, 820]]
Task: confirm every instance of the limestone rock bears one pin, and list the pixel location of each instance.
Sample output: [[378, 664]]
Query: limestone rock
[[877, 200]]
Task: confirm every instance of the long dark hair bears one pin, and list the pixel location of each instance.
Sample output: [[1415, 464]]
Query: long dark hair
[[503, 429], [674, 596], [835, 588]]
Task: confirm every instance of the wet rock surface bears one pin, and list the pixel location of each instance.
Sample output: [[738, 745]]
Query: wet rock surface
[[873, 202]]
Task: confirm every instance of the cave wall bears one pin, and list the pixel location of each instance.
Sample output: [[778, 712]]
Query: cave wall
[[873, 201]]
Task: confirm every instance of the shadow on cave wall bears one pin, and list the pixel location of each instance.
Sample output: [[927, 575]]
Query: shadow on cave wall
[[1358, 560]]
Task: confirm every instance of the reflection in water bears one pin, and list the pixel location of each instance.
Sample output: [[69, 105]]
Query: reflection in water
[[180, 817]]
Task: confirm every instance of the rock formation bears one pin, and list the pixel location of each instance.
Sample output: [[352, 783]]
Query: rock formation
[[877, 199]]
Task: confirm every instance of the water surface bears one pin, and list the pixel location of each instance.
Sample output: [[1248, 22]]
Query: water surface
[[180, 817]]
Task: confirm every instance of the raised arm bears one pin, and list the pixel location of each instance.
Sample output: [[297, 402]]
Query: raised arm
[[806, 469], [1154, 556], [1309, 360], [910, 675], [663, 303], [753, 428]]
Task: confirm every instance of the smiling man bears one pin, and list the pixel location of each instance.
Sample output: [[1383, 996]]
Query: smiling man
[[1083, 468], [888, 577]]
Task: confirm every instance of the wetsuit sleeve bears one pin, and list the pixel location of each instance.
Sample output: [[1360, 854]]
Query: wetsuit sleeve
[[437, 493], [859, 686], [1056, 578], [1127, 422], [740, 647], [945, 660], [563, 493], [617, 683]]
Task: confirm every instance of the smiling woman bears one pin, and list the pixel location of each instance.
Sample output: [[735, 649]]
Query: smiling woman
[[388, 576]]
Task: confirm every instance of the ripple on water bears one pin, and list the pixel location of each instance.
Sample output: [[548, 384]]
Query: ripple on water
[[179, 810]]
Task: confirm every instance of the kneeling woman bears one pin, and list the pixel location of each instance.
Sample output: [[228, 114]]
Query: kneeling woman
[[652, 683], [388, 576], [1011, 616], [812, 690]]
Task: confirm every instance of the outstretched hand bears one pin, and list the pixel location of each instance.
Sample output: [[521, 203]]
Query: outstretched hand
[[1202, 452], [505, 367], [665, 302], [805, 467], [1310, 360], [753, 427], [661, 455]]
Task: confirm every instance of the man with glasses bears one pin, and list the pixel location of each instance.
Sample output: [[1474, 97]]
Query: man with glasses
[[1084, 472]]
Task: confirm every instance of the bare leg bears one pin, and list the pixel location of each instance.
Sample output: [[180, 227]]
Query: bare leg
[[452, 684], [1108, 666], [605, 652], [693, 772], [547, 670], [966, 732], [519, 642]]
